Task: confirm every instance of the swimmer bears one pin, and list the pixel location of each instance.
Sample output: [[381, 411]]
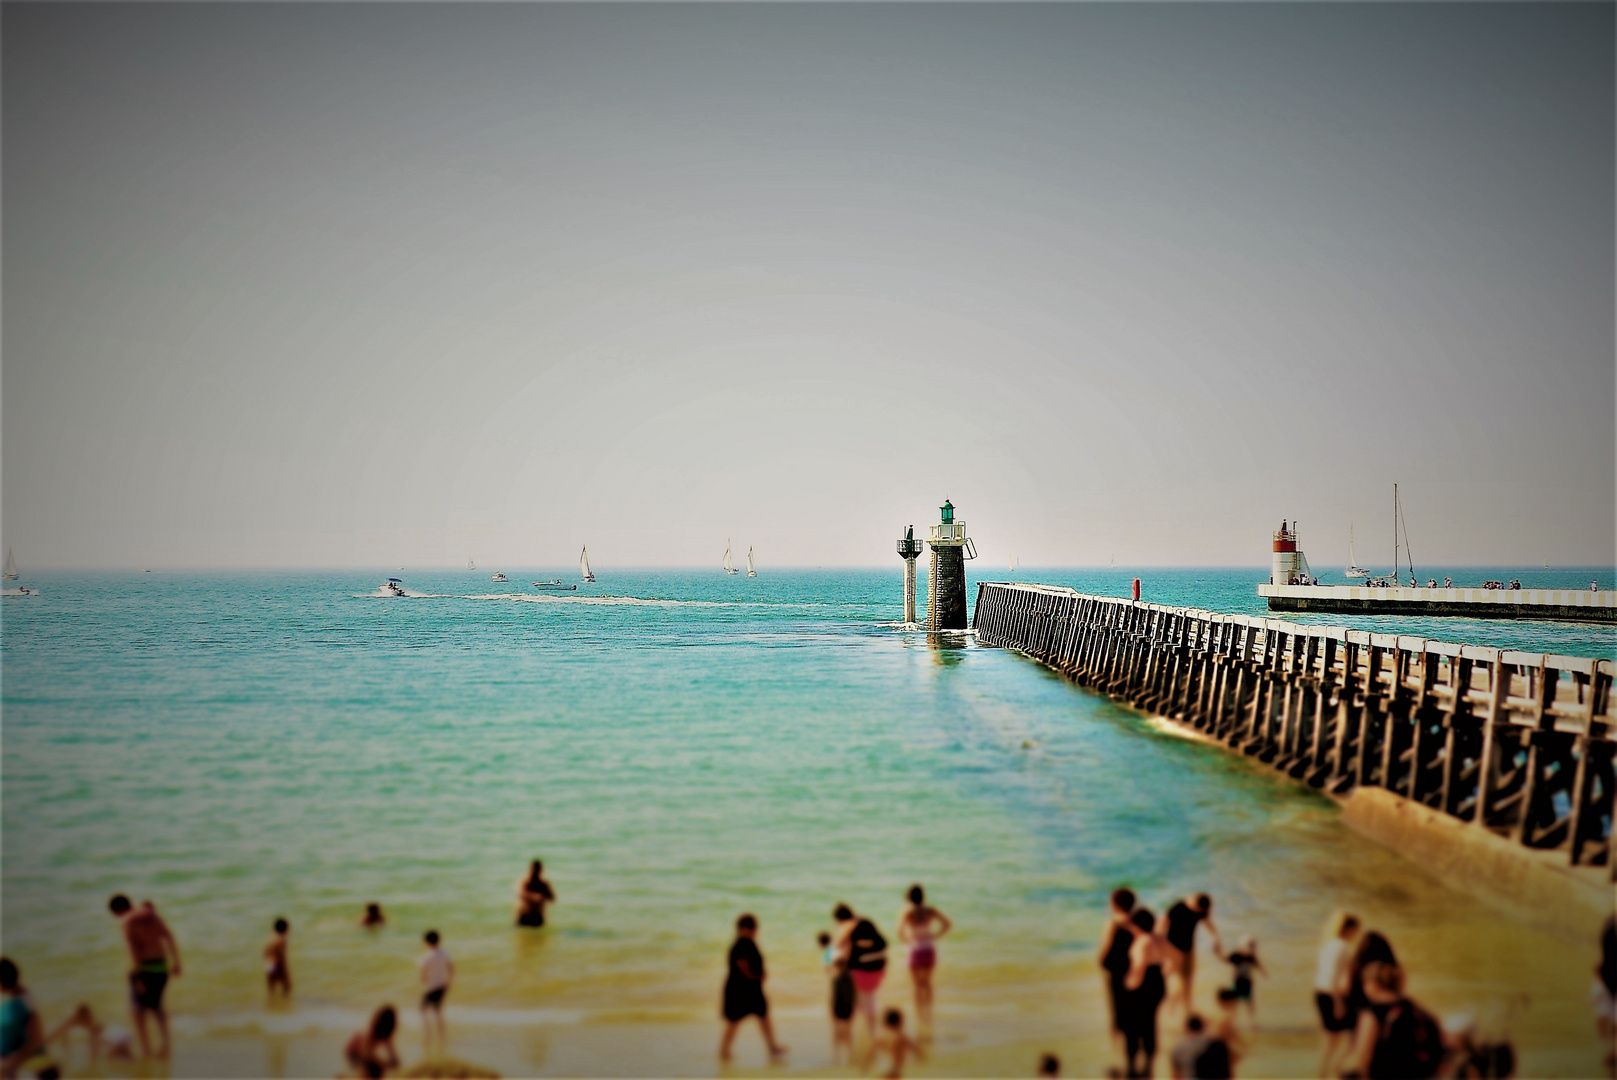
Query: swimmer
[[373, 919], [533, 894], [894, 1042], [1049, 1067], [920, 927], [275, 969]]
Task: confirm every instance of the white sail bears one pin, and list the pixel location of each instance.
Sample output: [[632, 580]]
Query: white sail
[[729, 562], [1010, 563], [469, 564], [11, 566], [750, 571], [584, 564]]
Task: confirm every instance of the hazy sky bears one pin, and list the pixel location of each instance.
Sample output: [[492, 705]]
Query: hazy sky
[[382, 285]]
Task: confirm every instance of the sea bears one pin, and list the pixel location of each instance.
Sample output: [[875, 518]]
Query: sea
[[679, 747]]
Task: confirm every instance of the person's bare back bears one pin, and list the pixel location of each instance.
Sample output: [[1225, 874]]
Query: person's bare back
[[148, 937]]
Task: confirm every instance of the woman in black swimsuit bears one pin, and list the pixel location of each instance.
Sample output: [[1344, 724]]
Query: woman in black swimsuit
[[1143, 991], [533, 893]]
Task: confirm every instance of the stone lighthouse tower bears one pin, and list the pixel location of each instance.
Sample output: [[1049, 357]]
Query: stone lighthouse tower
[[909, 549], [946, 585]]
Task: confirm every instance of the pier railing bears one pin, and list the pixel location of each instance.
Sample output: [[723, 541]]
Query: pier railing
[[1520, 744]]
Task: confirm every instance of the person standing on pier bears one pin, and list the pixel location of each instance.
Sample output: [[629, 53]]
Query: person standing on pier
[[1183, 919], [1144, 988], [1114, 955]]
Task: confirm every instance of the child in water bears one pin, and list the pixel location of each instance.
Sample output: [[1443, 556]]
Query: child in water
[[116, 1042], [276, 974], [1245, 963], [895, 1042]]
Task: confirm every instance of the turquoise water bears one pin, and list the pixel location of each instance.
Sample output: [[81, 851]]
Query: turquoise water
[[677, 746]]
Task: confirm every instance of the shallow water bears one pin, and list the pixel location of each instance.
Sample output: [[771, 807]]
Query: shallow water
[[678, 747]]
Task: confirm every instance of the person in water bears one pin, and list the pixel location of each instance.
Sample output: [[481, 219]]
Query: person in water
[[1244, 963], [533, 894], [843, 997], [437, 972], [373, 919], [115, 1042], [920, 927], [1113, 954], [276, 974], [154, 956], [1331, 978], [866, 950], [1183, 919], [371, 1053], [1049, 1067], [895, 1043], [21, 1034], [744, 989], [1144, 988]]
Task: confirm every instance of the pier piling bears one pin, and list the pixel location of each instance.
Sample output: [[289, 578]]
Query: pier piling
[[1517, 745]]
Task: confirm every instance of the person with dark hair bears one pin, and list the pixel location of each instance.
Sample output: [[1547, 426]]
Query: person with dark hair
[[1331, 979], [1244, 963], [867, 964], [437, 972], [373, 919], [533, 894], [843, 997], [744, 989], [1604, 993], [1183, 918], [155, 956], [1373, 948], [371, 1053], [1144, 988], [1113, 954], [1396, 1038], [895, 1043], [1049, 1067], [920, 926], [1188, 1050], [21, 1034], [276, 974]]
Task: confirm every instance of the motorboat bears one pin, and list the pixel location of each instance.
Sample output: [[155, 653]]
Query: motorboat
[[555, 586], [21, 590], [501, 578], [391, 587]]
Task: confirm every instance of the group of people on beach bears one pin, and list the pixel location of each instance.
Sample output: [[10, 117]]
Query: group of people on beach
[[855, 955], [1373, 1029]]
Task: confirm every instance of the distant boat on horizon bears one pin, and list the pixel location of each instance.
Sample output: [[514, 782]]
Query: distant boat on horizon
[[555, 586], [729, 563], [469, 564], [500, 578], [584, 564], [750, 571], [11, 567], [391, 587]]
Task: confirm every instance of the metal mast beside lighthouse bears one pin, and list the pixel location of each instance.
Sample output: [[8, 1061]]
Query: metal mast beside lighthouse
[[909, 549], [946, 584]]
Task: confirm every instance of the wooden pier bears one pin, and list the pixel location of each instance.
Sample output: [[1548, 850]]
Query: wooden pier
[[1518, 745]]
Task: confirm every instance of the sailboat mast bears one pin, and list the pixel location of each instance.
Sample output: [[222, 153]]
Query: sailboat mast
[[1395, 534]]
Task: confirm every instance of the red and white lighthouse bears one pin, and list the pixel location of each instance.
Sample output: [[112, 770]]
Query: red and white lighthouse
[[1289, 566]]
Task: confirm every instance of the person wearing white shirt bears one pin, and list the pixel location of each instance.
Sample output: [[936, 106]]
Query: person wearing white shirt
[[1331, 989], [437, 972]]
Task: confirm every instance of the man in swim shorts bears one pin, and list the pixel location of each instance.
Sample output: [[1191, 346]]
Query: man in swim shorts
[[155, 956]]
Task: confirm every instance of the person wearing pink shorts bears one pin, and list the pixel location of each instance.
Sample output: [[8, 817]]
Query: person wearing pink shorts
[[866, 950], [920, 927]]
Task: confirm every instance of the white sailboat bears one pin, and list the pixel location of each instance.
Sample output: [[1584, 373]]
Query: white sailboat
[[1354, 570], [1010, 564], [11, 567], [750, 571], [729, 561], [584, 564], [469, 564]]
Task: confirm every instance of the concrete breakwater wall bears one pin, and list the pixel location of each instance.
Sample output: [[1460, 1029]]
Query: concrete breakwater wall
[[1515, 747]]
